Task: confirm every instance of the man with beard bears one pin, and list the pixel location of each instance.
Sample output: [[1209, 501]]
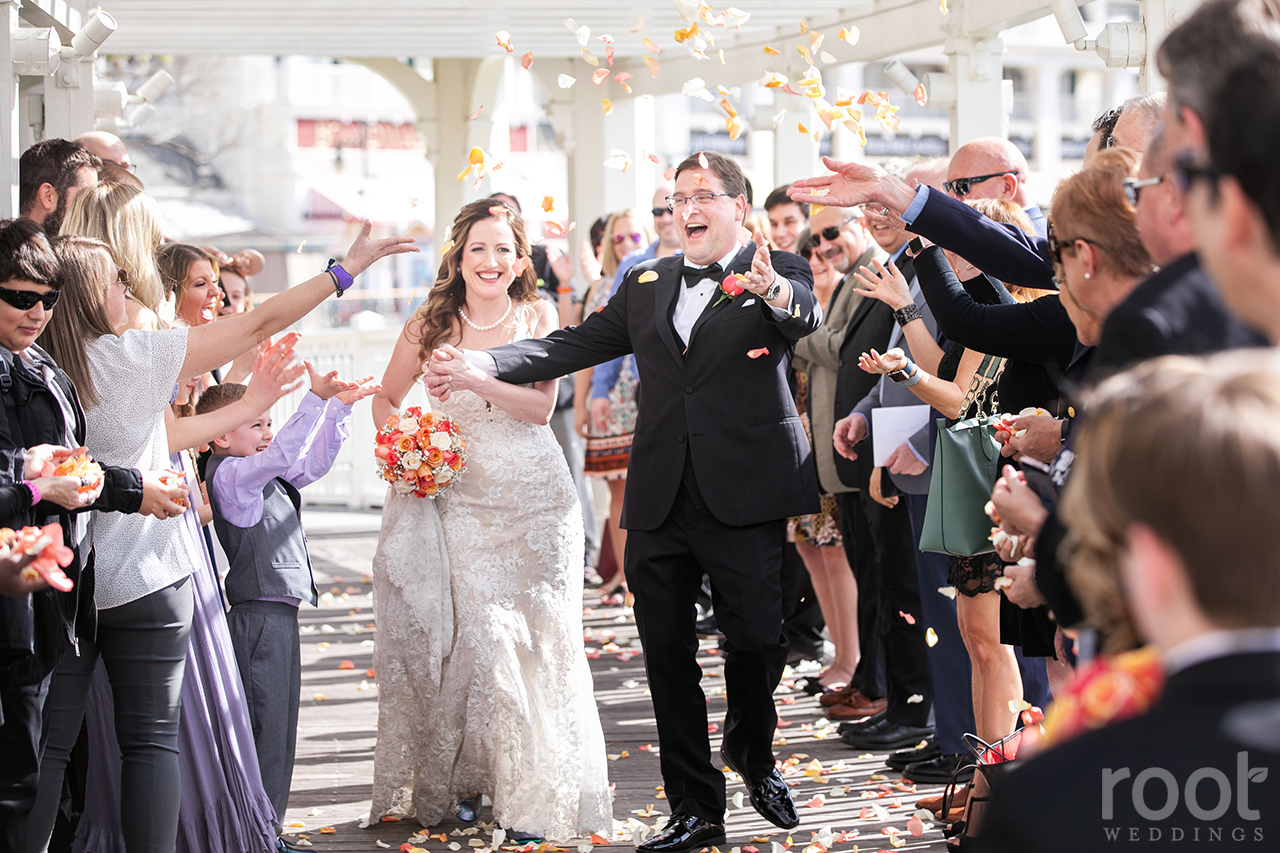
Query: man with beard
[[50, 173]]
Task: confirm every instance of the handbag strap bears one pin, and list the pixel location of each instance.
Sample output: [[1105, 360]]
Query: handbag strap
[[983, 381]]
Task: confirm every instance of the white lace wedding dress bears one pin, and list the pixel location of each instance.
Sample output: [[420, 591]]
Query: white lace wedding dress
[[483, 684]]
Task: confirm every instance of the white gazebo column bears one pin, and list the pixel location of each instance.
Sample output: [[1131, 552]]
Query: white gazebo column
[[795, 155], [1048, 118], [68, 100], [628, 128], [1158, 17], [452, 137], [9, 112], [982, 105]]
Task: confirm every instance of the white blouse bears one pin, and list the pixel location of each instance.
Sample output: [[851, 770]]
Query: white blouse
[[134, 376]]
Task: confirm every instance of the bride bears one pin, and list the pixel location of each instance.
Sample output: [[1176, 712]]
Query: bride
[[483, 685]]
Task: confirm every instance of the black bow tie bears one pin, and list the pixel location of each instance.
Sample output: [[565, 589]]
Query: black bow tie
[[692, 275]]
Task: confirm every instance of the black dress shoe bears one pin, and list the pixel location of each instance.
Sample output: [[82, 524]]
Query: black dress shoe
[[861, 725], [770, 796], [899, 760], [940, 769], [684, 833], [887, 736]]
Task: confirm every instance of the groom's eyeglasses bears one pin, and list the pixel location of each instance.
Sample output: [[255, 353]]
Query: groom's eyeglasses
[[25, 300]]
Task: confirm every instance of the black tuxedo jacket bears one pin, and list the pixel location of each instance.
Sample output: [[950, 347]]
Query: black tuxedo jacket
[[1176, 311], [869, 327], [731, 415], [1216, 721]]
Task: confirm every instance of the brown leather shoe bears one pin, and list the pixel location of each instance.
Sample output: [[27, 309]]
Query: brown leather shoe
[[837, 695], [857, 707]]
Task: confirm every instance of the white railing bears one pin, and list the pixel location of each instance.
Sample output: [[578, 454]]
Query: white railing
[[353, 482]]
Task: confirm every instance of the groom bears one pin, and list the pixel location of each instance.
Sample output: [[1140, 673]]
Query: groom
[[719, 461]]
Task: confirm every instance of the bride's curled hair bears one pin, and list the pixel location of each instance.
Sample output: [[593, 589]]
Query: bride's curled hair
[[437, 319]]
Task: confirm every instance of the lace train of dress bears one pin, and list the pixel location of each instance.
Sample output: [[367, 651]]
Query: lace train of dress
[[483, 686]]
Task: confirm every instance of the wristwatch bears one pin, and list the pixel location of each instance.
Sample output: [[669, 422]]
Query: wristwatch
[[907, 313], [905, 373], [773, 291], [341, 278]]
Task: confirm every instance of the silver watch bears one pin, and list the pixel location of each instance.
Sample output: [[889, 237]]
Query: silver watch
[[773, 291]]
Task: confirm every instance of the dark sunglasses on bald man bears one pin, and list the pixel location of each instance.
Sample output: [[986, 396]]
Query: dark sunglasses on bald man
[[25, 300], [960, 186], [831, 232]]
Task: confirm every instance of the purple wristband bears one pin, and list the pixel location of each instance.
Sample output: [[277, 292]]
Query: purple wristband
[[341, 278], [35, 491]]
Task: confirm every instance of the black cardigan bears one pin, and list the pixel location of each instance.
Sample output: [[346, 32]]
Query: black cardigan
[[1037, 338], [32, 627]]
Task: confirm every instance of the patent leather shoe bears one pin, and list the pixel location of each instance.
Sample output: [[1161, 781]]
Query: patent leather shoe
[[770, 796], [684, 833], [861, 725], [899, 760]]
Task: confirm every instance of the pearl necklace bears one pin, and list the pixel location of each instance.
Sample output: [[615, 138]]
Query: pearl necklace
[[493, 325]]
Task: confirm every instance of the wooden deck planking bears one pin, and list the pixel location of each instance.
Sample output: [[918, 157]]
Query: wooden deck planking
[[338, 726]]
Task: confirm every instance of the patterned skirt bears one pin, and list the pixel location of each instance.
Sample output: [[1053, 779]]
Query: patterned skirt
[[609, 451]]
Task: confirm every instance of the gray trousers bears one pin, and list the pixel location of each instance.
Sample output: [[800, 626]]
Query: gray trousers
[[143, 645], [264, 635]]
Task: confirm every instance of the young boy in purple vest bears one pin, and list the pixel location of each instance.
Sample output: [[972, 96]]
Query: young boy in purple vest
[[253, 479]]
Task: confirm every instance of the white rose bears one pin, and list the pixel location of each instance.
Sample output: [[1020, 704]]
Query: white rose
[[404, 488], [443, 474], [442, 440], [380, 462], [393, 423], [412, 459], [408, 424]]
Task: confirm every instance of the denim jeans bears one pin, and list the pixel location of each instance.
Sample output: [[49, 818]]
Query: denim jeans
[[143, 645]]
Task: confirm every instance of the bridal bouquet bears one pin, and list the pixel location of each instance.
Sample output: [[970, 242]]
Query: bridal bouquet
[[419, 454]]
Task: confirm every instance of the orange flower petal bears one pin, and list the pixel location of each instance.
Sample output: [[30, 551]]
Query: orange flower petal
[[756, 353]]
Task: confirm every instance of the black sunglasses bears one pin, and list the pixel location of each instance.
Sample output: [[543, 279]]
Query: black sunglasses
[[960, 186], [659, 212], [830, 233], [1057, 246], [25, 300], [1187, 172]]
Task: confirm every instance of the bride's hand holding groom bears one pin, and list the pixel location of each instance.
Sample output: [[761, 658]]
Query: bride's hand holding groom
[[449, 370]]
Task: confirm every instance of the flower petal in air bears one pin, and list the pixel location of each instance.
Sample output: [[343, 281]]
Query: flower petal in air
[[504, 40], [527, 60], [564, 81], [922, 95], [652, 65], [647, 276]]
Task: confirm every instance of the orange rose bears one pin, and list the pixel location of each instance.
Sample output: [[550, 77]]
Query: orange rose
[[434, 456], [427, 420], [410, 476], [423, 437], [431, 490], [424, 472], [453, 460], [404, 443]]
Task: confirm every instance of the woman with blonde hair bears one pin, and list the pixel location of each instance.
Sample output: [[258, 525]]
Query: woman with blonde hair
[[127, 220], [483, 687], [608, 420]]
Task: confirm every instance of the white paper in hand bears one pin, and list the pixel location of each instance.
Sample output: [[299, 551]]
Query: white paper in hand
[[891, 427]]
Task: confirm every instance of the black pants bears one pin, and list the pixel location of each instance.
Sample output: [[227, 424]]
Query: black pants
[[664, 569], [802, 621], [860, 549], [19, 759], [906, 667]]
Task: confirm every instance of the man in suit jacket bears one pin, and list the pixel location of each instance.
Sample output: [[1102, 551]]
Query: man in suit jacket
[[1201, 581], [719, 461], [905, 720], [835, 384]]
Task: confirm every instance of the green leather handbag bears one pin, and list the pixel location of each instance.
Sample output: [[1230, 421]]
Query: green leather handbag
[[966, 460]]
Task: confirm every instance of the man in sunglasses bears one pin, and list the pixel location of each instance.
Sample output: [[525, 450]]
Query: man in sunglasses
[[1177, 310], [990, 167], [1233, 198]]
